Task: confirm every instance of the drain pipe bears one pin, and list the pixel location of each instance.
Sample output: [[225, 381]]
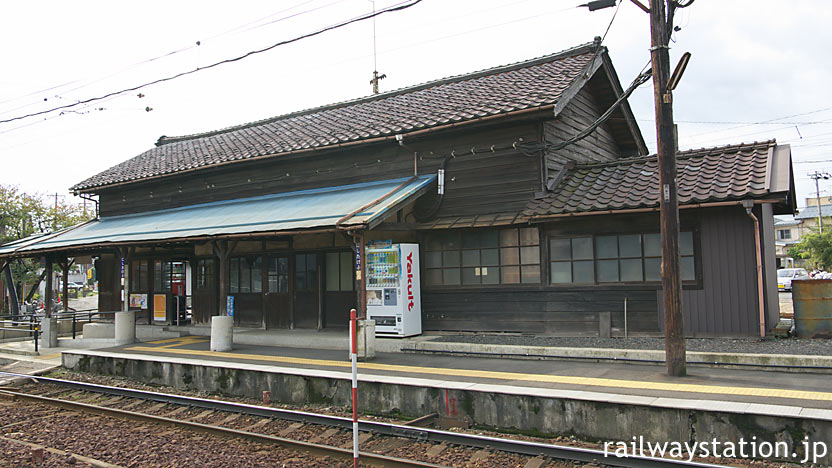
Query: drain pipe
[[749, 204]]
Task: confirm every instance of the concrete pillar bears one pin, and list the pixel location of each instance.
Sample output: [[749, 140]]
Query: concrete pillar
[[125, 327], [366, 339], [222, 333], [49, 333], [604, 324]]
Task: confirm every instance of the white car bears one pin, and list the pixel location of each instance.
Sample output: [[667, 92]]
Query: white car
[[786, 275]]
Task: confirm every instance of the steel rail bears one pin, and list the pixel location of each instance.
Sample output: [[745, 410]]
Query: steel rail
[[521, 447], [368, 458]]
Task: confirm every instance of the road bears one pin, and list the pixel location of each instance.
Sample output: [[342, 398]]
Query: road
[[786, 305]]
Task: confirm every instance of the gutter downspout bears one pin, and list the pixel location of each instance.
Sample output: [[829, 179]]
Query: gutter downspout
[[748, 204]]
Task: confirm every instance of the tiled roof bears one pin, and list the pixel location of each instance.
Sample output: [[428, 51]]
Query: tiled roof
[[524, 85], [785, 221], [812, 212], [704, 175]]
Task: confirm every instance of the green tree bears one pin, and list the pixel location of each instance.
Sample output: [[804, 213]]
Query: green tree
[[815, 247], [23, 214]]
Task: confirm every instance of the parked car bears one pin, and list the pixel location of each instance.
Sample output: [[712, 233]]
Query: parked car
[[786, 275]]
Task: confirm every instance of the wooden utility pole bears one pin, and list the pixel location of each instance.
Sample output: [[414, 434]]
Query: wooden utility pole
[[669, 200]]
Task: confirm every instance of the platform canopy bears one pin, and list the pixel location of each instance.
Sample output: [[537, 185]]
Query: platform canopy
[[348, 206]]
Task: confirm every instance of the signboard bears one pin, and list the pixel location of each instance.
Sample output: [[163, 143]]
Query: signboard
[[159, 307], [138, 300], [229, 304]]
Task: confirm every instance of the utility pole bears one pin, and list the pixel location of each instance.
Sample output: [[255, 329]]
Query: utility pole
[[376, 76], [661, 24], [816, 176], [668, 195]]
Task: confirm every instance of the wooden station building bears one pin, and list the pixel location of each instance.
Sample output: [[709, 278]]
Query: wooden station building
[[530, 235]]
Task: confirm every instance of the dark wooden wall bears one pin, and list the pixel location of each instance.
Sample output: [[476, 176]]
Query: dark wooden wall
[[502, 180], [539, 310], [108, 270], [727, 302], [599, 146]]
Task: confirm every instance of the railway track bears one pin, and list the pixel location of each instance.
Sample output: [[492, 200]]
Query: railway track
[[385, 444]]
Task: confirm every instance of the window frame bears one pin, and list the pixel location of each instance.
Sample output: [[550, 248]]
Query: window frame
[[245, 266], [499, 266], [695, 283]]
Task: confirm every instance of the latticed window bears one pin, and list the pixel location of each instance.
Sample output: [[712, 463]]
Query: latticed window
[[482, 257], [623, 258]]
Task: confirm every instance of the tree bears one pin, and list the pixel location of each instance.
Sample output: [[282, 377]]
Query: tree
[[815, 247], [23, 214]]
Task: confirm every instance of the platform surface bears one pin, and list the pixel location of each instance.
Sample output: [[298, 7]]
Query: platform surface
[[603, 381]]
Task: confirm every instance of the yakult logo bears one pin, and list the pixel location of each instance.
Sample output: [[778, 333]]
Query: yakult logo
[[410, 282]]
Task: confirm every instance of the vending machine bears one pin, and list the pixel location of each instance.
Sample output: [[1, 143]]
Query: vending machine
[[393, 289]]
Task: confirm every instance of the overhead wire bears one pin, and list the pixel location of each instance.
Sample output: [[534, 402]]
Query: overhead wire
[[174, 52], [164, 55], [397, 7]]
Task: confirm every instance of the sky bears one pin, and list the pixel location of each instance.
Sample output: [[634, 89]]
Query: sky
[[760, 69]]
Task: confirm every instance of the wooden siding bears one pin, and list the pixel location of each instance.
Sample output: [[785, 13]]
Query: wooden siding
[[483, 183], [727, 302], [599, 146], [108, 270], [536, 311]]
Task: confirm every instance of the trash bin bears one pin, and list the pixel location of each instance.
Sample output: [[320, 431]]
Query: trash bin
[[812, 300]]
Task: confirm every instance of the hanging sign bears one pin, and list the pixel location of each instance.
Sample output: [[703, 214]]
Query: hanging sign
[[229, 305]]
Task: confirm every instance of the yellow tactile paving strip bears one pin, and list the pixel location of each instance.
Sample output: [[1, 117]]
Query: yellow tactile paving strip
[[544, 378]]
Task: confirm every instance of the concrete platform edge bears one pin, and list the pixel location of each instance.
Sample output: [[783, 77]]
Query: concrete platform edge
[[780, 362], [586, 415], [69, 361]]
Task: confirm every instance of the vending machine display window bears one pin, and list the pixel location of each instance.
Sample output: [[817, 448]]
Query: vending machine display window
[[393, 289]]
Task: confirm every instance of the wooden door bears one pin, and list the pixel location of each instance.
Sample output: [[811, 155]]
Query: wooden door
[[246, 285], [307, 290], [339, 290], [278, 300], [206, 290]]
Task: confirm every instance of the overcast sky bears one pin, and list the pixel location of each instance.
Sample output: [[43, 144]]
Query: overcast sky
[[760, 69]]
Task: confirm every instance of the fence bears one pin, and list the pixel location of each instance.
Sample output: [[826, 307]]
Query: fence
[[29, 323]]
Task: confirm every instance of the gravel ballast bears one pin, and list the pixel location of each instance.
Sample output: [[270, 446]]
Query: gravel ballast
[[817, 347]]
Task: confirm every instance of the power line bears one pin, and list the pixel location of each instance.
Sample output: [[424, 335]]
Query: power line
[[765, 121], [398, 7], [169, 54]]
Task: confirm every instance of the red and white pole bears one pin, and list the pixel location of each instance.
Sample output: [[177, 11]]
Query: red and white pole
[[354, 359]]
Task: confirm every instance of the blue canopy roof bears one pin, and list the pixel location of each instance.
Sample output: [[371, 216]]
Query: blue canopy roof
[[359, 205]]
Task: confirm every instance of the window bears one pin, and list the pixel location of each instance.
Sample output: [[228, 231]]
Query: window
[[161, 276], [278, 274], [507, 256], [306, 272], [139, 275], [246, 275], [339, 268], [205, 274], [784, 234], [623, 258]]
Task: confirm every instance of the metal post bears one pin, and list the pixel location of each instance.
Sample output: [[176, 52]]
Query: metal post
[[36, 338], [73, 326], [354, 359], [625, 316]]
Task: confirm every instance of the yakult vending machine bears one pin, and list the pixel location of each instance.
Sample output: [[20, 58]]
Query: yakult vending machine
[[393, 289]]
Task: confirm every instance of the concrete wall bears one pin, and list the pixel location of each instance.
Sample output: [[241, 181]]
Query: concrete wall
[[486, 408]]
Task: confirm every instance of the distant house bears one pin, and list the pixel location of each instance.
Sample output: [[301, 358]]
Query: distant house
[[808, 217], [787, 231], [527, 237]]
